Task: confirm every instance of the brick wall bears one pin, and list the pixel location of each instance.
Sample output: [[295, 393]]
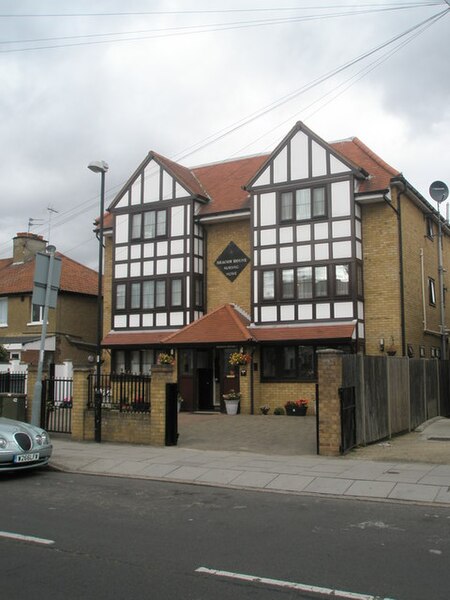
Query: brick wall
[[330, 380]]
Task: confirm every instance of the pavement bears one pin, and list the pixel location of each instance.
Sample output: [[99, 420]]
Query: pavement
[[384, 476]]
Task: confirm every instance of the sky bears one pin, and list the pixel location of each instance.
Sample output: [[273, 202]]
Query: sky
[[203, 81]]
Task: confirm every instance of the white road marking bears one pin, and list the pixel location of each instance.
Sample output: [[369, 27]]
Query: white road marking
[[25, 538], [312, 589]]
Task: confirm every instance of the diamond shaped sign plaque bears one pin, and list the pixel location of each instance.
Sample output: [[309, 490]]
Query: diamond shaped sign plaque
[[232, 261]]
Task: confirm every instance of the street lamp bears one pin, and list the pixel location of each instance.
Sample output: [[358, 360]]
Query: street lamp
[[99, 167]]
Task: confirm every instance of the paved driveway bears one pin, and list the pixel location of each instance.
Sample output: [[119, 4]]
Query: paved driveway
[[266, 434]]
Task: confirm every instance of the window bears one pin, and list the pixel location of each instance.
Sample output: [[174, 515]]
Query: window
[[161, 222], [133, 361], [150, 224], [160, 299], [148, 294], [287, 284], [37, 313], [304, 283], [136, 221], [198, 292], [3, 311], [321, 282], [310, 203], [431, 292], [120, 296], [176, 292], [135, 301], [342, 280], [268, 285], [288, 362], [429, 225], [287, 206]]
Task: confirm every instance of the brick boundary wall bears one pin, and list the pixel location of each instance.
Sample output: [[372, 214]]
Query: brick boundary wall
[[329, 422]]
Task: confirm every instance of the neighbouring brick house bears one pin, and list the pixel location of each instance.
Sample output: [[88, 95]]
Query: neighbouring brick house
[[72, 326], [312, 246]]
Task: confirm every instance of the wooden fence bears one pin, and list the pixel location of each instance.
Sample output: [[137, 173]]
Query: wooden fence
[[393, 394]]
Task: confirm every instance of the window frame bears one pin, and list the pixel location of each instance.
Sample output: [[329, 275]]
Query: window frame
[[274, 357], [289, 211], [158, 225], [431, 291]]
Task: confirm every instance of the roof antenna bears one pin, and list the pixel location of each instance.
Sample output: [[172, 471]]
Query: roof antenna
[[33, 222], [50, 211]]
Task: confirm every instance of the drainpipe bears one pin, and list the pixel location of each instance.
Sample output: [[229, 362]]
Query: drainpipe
[[424, 307], [401, 188], [252, 390]]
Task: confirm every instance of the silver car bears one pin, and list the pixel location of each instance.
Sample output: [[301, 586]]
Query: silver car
[[23, 446]]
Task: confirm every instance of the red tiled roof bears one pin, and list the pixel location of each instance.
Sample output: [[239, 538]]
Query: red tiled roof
[[133, 338], [76, 278], [222, 325], [185, 176], [380, 173], [316, 332], [224, 181]]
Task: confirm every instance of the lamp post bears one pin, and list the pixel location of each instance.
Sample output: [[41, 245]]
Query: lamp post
[[99, 167], [439, 193]]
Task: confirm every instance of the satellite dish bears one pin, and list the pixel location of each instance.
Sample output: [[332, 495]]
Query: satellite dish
[[439, 191]]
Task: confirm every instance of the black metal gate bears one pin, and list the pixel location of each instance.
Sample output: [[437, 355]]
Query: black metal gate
[[56, 405], [348, 418]]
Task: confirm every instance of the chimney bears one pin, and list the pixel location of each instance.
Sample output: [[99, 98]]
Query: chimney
[[25, 246]]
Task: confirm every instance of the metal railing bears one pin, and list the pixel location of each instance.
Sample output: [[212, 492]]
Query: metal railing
[[126, 392], [13, 383]]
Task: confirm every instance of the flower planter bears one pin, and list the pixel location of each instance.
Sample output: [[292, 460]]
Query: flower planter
[[298, 411], [232, 406]]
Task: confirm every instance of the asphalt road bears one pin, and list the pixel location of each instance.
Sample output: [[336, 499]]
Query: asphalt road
[[107, 538]]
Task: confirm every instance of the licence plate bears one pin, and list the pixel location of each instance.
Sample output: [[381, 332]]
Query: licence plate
[[26, 457]]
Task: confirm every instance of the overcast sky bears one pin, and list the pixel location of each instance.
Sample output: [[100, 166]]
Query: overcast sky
[[170, 89]]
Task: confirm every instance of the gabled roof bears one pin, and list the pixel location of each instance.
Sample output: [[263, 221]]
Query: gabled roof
[[75, 277], [222, 325]]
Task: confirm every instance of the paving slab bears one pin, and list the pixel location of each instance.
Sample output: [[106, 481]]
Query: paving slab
[[293, 483], [253, 479], [414, 492], [219, 476], [187, 473], [329, 485], [370, 489]]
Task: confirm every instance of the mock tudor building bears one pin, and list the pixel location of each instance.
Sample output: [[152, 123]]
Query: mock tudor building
[[315, 245], [71, 330]]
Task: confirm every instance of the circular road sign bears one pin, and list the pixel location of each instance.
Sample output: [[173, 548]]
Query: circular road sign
[[439, 191]]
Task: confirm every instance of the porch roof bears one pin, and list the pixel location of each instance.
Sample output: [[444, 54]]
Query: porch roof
[[225, 324], [134, 338], [341, 331]]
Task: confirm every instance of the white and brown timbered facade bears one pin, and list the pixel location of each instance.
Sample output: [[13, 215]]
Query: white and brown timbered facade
[[313, 246], [307, 236]]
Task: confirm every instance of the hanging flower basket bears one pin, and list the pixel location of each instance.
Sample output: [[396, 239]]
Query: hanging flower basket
[[165, 359], [239, 358]]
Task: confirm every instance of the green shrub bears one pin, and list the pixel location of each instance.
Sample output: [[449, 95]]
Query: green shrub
[[279, 410]]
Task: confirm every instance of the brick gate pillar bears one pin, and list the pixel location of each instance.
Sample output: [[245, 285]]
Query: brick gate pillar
[[161, 374], [329, 422], [79, 402]]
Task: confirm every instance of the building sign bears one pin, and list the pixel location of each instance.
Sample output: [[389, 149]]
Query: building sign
[[232, 261]]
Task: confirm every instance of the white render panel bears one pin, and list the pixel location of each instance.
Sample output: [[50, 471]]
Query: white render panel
[[149, 250], [188, 221], [337, 166], [340, 199], [161, 267], [305, 312], [147, 320], [188, 293], [136, 191], [358, 250], [200, 266], [148, 268], [303, 233], [342, 249], [151, 182], [177, 221], [343, 310], [123, 201], [360, 310], [321, 231], [358, 229], [180, 192], [121, 253], [121, 271], [361, 331], [188, 246], [197, 209], [176, 318], [167, 191], [287, 312], [161, 319], [176, 265], [134, 321], [135, 251], [286, 254], [323, 311], [255, 239], [255, 286], [120, 321], [299, 156], [255, 258], [319, 160], [255, 210], [161, 249], [135, 269], [121, 229], [264, 178], [268, 237], [256, 313], [304, 253], [268, 256], [176, 247], [358, 210], [286, 235], [342, 228], [280, 167], [321, 252], [268, 313], [268, 209]]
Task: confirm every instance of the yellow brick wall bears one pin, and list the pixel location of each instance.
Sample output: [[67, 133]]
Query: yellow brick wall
[[330, 380], [220, 290]]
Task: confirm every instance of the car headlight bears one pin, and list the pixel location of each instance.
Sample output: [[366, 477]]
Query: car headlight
[[45, 438], [38, 439], [3, 443]]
